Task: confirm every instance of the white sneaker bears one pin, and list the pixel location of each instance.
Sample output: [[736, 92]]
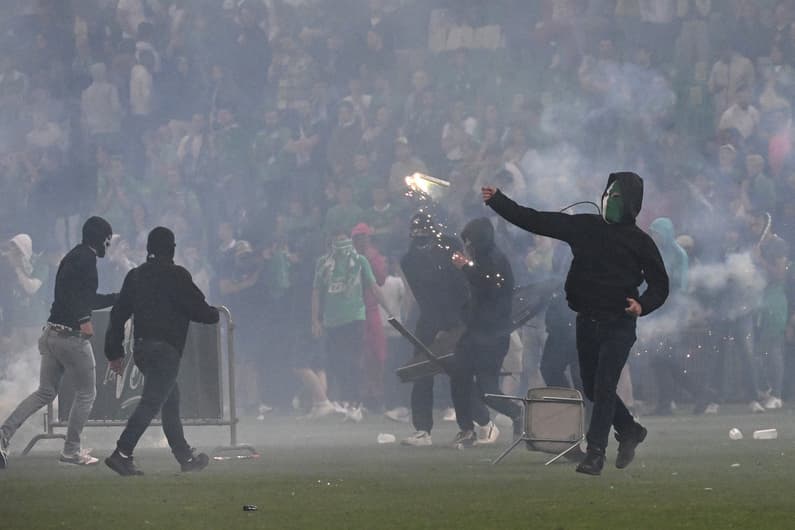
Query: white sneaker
[[487, 434], [340, 408], [773, 403], [354, 414], [82, 458], [418, 439], [755, 406], [712, 408], [398, 414], [449, 414]]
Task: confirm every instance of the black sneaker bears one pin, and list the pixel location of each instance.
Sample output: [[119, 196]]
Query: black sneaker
[[124, 466], [464, 440], [3, 453], [627, 443], [592, 464], [575, 456], [196, 462]]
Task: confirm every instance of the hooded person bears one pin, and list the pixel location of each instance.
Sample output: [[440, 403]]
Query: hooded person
[[441, 292], [612, 258], [669, 354], [483, 346], [673, 255], [64, 345], [97, 233], [163, 299]]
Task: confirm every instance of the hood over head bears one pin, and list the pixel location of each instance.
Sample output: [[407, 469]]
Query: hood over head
[[478, 236], [24, 244], [160, 244], [422, 224], [664, 228], [96, 234], [631, 186]]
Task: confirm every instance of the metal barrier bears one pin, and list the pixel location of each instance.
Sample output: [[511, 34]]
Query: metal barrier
[[231, 421]]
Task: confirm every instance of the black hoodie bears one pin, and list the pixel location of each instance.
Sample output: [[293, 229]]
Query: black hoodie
[[611, 260], [490, 281], [164, 300], [439, 289]]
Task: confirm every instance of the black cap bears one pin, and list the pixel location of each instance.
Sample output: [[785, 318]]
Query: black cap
[[160, 243]]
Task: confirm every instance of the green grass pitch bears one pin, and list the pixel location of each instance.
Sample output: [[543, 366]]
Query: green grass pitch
[[688, 474]]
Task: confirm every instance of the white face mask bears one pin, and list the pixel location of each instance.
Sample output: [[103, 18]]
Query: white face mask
[[103, 249]]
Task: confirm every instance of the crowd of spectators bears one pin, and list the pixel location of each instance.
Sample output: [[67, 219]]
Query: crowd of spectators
[[261, 130]]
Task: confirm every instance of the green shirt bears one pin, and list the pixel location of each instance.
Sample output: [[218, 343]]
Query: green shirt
[[343, 305]]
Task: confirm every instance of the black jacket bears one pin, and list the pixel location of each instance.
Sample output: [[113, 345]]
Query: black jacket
[[76, 289], [490, 281], [439, 288], [164, 300], [610, 260]]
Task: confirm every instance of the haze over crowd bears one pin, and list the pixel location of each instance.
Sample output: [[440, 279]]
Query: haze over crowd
[[259, 129]]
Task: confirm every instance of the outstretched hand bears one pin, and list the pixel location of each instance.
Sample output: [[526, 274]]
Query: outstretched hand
[[487, 192], [634, 308]]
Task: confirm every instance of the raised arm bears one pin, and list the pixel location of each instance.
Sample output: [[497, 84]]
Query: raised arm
[[191, 300], [550, 224]]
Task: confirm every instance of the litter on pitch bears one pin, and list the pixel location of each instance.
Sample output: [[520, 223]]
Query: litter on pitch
[[766, 434], [386, 438]]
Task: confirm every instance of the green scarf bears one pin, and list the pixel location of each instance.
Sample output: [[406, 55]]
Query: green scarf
[[342, 255]]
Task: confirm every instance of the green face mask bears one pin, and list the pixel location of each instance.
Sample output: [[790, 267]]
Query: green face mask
[[613, 204]]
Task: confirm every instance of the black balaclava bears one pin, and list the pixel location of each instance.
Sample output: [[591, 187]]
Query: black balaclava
[[423, 229], [160, 244], [96, 234], [478, 236]]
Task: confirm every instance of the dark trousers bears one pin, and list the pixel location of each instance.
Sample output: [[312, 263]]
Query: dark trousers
[[560, 353], [475, 373], [159, 363], [603, 348], [422, 389], [396, 393], [344, 349]]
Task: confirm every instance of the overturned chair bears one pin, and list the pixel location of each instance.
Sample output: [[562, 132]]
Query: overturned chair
[[554, 421]]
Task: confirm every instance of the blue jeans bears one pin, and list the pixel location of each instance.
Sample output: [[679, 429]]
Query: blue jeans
[[603, 346], [159, 363]]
